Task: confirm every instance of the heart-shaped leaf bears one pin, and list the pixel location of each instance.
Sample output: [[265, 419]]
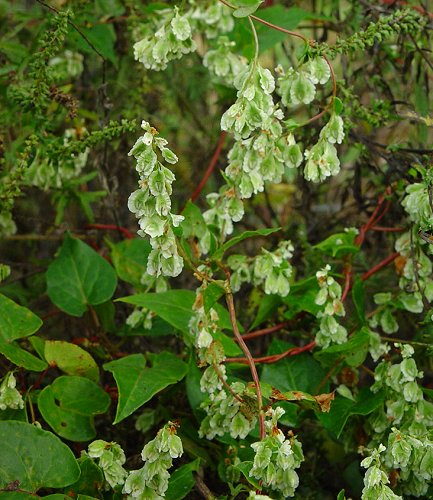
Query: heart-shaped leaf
[[79, 277], [69, 404]]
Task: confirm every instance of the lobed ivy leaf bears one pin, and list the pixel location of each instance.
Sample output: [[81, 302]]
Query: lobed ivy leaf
[[79, 277], [69, 405], [138, 383], [245, 8], [35, 458]]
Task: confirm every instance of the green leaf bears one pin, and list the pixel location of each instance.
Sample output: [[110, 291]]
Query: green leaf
[[79, 277], [194, 223], [267, 308], [338, 245], [211, 294], [34, 457], [90, 482], [358, 300], [130, 259], [237, 239], [293, 373], [302, 297], [343, 408], [182, 481], [354, 351], [175, 307], [138, 384], [102, 37], [192, 382], [71, 359], [245, 468], [17, 322], [288, 18], [69, 404]]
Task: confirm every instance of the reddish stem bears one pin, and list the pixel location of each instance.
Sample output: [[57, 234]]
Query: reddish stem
[[388, 229], [112, 227], [265, 331], [274, 357], [249, 361], [212, 164], [379, 266], [347, 281]]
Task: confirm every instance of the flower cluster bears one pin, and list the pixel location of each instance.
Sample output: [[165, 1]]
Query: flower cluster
[[170, 41], [322, 158], [270, 269], [9, 396], [223, 62], [375, 479], [151, 481], [299, 86], [151, 203], [405, 423], [273, 270], [277, 457], [329, 296], [254, 106], [210, 17], [110, 459], [227, 413], [263, 157], [46, 172]]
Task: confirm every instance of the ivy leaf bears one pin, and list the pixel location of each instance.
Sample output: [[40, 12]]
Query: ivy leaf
[[17, 322], [138, 383], [34, 457], [79, 277], [71, 359], [69, 404], [343, 408], [237, 239], [182, 481], [354, 351]]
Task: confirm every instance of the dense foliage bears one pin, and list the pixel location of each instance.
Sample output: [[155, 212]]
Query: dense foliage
[[262, 328]]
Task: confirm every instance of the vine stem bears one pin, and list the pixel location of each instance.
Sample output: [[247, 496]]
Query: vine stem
[[265, 331], [293, 351], [307, 41], [249, 360]]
